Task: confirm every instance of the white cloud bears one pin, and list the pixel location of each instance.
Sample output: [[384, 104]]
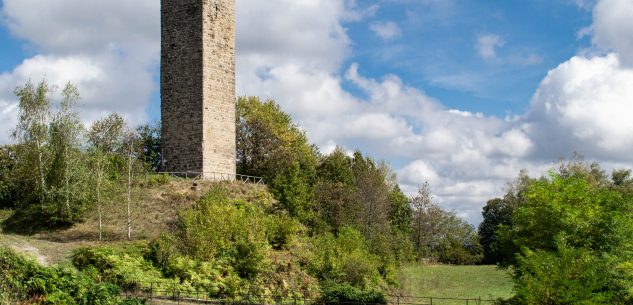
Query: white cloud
[[613, 28], [487, 45], [418, 171], [107, 48], [385, 30], [585, 105], [110, 50]]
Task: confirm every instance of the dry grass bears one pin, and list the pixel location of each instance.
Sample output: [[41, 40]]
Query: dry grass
[[154, 209]]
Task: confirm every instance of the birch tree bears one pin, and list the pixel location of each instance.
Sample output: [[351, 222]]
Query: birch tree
[[131, 151], [67, 173], [32, 132], [106, 138]]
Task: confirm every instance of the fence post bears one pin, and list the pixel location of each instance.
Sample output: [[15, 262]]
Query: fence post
[[398, 299], [151, 291]]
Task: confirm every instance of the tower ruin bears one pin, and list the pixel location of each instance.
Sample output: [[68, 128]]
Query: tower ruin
[[198, 86]]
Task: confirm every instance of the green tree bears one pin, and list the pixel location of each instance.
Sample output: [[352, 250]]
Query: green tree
[[497, 245], [372, 187], [335, 191], [67, 174], [32, 133], [8, 181], [149, 140], [271, 146], [105, 138], [440, 234], [576, 241], [496, 213], [400, 212]]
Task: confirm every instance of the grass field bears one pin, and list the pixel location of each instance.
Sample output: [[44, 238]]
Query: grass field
[[485, 282]]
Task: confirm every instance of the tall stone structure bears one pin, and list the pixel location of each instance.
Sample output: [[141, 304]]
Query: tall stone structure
[[198, 86]]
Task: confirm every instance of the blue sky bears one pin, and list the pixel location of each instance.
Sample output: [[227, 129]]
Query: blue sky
[[436, 50], [460, 93]]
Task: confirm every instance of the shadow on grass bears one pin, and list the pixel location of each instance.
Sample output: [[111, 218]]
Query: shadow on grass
[[33, 220]]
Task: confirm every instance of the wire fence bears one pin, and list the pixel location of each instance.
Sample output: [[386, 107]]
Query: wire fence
[[172, 293], [214, 176]]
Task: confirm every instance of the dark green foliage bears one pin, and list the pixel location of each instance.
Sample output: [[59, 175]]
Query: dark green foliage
[[337, 168], [148, 137], [271, 146], [134, 301], [341, 293], [220, 228], [292, 188], [496, 213], [32, 219], [575, 237], [400, 212], [280, 229], [564, 276], [8, 189], [344, 258], [127, 269], [22, 280]]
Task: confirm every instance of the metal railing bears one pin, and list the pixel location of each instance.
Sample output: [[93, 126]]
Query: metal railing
[[161, 292], [416, 300], [213, 176]]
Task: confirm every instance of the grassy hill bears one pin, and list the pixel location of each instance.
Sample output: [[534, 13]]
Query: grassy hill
[[156, 202]]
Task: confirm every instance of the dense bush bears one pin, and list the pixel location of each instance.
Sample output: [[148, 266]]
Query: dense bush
[[572, 239], [345, 259], [280, 230], [24, 280], [127, 269], [225, 229], [342, 293]]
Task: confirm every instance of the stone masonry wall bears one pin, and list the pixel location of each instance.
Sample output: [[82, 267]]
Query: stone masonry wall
[[198, 85]]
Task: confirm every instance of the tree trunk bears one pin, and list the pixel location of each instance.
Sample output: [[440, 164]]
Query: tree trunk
[[129, 193], [99, 178], [67, 178], [40, 166]]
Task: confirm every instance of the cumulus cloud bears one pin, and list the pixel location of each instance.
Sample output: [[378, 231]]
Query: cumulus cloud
[[107, 48], [585, 105], [385, 30], [613, 28], [487, 45], [110, 50]]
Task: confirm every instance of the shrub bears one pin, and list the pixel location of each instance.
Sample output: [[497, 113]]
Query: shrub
[[224, 229], [218, 278], [280, 230], [344, 258], [345, 293], [129, 270], [25, 280]]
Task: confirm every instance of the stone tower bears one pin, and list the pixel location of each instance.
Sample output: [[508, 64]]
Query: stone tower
[[198, 86]]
